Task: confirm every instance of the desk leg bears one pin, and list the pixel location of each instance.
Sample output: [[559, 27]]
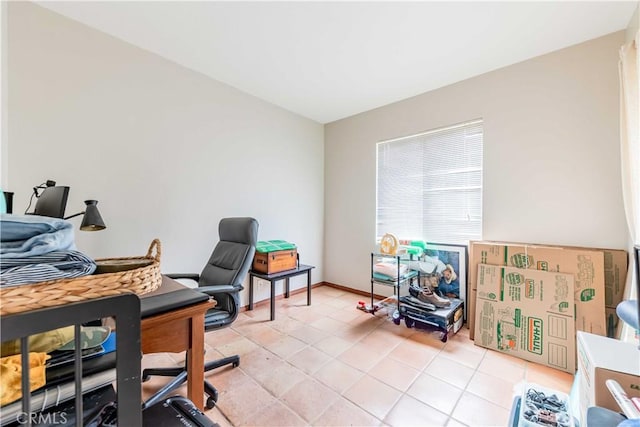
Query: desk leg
[[309, 287], [273, 299], [250, 291], [195, 362], [286, 287]]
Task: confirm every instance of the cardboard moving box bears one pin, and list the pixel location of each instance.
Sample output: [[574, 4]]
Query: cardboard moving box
[[585, 264], [527, 314], [600, 359]]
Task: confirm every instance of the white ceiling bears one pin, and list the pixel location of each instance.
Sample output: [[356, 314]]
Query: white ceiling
[[330, 60]]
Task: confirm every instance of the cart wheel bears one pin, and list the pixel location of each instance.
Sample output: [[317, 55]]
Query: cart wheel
[[396, 317], [443, 336], [409, 322]]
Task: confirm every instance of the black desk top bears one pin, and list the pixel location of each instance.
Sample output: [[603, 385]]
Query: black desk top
[[169, 296], [302, 268]]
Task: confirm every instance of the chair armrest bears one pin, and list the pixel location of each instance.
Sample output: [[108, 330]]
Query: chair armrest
[[218, 289], [190, 276]]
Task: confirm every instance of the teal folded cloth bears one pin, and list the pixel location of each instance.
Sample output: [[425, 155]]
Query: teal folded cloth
[[266, 246], [384, 277]]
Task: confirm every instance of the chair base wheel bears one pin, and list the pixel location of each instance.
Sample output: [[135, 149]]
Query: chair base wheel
[[210, 403], [212, 395]]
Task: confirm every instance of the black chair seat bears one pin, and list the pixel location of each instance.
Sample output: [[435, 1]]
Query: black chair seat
[[216, 316]]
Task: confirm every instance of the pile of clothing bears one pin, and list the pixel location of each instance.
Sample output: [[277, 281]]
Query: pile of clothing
[[37, 249], [48, 349]]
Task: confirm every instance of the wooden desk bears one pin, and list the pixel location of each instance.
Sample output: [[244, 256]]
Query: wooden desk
[[283, 275], [178, 330]]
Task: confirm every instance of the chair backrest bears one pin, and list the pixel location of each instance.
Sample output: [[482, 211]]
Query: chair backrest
[[232, 257]]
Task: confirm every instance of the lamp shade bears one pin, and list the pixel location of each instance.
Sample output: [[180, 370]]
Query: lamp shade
[[92, 220]]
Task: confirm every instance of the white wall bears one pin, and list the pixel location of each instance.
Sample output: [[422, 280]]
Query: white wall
[[551, 155], [4, 155], [165, 150], [168, 152], [634, 25]]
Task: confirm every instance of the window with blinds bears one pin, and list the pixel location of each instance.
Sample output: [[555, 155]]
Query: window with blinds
[[430, 185]]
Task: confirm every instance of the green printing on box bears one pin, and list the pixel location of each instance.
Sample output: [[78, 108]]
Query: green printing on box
[[527, 314]]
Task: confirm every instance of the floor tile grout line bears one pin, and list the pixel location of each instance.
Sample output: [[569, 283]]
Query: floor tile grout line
[[402, 393], [365, 373], [310, 375], [358, 337], [423, 372]]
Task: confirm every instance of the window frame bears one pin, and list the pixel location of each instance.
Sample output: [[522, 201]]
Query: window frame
[[473, 207]]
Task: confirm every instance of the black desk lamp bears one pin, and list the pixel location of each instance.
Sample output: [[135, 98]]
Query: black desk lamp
[[92, 220], [52, 202]]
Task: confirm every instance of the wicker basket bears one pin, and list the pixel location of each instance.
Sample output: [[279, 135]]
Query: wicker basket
[[139, 281]]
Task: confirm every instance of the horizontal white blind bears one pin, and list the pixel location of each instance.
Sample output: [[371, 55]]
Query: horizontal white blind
[[430, 185]]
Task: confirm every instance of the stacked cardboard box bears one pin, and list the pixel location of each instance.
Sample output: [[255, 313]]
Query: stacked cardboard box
[[601, 359], [528, 314], [598, 278], [615, 276]]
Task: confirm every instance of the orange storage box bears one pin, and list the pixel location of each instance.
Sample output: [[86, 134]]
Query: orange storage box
[[274, 256]]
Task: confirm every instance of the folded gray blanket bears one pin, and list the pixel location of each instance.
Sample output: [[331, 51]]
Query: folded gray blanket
[[40, 268], [36, 249]]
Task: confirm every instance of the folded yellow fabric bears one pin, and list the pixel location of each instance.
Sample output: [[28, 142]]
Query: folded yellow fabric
[[44, 342], [11, 375]]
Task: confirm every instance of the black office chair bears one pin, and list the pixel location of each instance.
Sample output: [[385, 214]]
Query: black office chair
[[221, 278]]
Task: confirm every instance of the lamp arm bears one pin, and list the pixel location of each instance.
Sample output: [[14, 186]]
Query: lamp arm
[[74, 215]]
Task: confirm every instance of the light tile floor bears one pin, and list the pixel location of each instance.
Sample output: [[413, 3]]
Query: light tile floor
[[330, 364]]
